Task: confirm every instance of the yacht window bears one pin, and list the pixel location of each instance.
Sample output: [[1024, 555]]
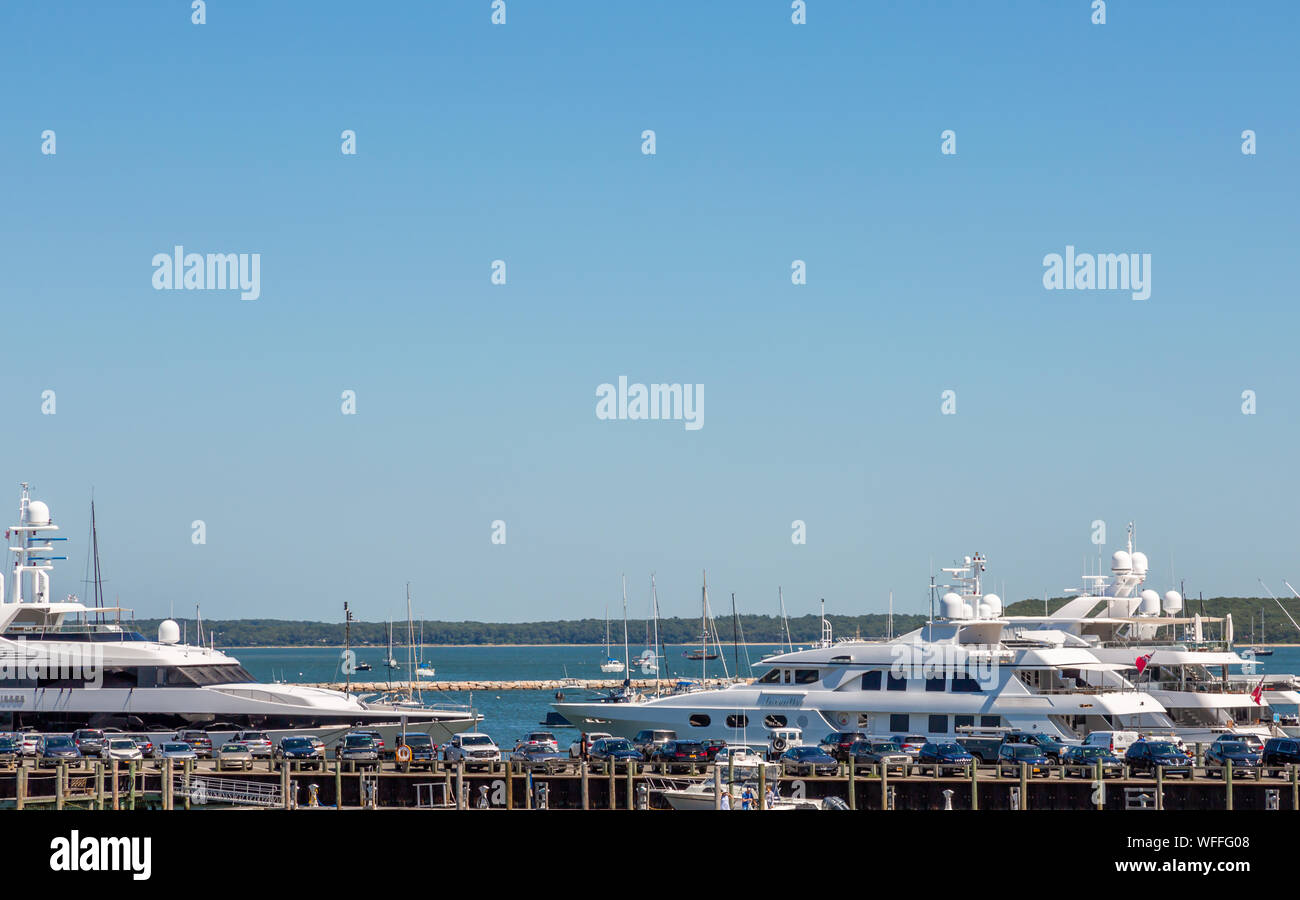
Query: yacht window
[[773, 676], [805, 676], [963, 722], [871, 680], [699, 720], [899, 722], [896, 683], [965, 685], [774, 721], [938, 724], [935, 684], [990, 721], [739, 721]]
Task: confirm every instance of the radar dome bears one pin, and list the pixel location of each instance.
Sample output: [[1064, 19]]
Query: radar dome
[[1150, 605], [994, 603], [1139, 563], [951, 606], [168, 632], [985, 611], [1121, 562], [1173, 602], [37, 513]]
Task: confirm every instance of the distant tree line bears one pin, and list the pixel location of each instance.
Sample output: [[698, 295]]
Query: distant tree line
[[804, 630]]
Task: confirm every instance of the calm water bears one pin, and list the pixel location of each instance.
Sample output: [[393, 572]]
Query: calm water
[[509, 714]]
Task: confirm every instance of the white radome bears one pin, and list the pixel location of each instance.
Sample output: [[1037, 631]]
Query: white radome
[[1139, 563], [1121, 562], [1173, 602], [168, 632], [994, 603], [1150, 605], [38, 513]]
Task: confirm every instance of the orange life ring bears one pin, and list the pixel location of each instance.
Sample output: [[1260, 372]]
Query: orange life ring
[[403, 753]]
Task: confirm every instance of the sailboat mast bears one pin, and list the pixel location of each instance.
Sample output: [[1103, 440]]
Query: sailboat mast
[[627, 656], [410, 643], [735, 634], [98, 586], [654, 602], [347, 645], [704, 648]]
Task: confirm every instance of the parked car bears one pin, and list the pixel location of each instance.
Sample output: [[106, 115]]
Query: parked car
[[874, 751], [1083, 755], [423, 750], [712, 747], [1116, 742], [174, 750], [233, 755], [780, 740], [300, 750], [944, 753], [538, 739], [539, 756], [121, 748], [144, 742], [257, 742], [359, 749], [90, 741], [1051, 746], [1171, 738], [1010, 756], [197, 739], [982, 747], [579, 748], [618, 749], [1281, 751], [31, 740], [680, 753], [1148, 756], [910, 744], [11, 749], [1254, 741], [837, 743], [55, 748], [646, 741], [808, 761], [1237, 754], [378, 738], [474, 748]]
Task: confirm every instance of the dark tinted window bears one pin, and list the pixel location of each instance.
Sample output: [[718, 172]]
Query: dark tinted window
[[938, 724], [899, 722], [963, 721], [700, 720], [990, 721], [737, 721], [805, 676], [896, 683], [935, 684], [871, 680]]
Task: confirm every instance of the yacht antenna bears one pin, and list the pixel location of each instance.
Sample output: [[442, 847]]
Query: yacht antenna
[[931, 636], [1279, 602]]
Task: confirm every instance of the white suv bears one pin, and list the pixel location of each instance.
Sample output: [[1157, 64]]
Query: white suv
[[475, 748], [578, 748]]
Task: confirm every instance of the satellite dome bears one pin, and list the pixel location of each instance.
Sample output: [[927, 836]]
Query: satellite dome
[[37, 513], [1121, 562], [951, 606], [168, 632], [1150, 605], [1139, 563], [1173, 602], [985, 611], [994, 603]]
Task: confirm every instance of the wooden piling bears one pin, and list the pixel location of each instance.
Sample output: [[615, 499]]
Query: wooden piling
[[59, 774], [99, 784], [1024, 785], [510, 785], [631, 774], [852, 795], [460, 784], [21, 789], [338, 785], [762, 786], [1227, 783], [586, 797], [974, 784], [613, 784], [117, 800]]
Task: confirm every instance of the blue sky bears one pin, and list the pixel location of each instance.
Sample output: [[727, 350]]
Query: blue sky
[[476, 402]]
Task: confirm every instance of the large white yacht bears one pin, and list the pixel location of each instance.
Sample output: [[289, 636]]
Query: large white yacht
[[1188, 663], [59, 670], [959, 671]]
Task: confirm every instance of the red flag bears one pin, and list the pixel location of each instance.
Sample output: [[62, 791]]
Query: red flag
[[1255, 694], [1142, 662]]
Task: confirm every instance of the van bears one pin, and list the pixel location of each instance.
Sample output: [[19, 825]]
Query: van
[[1117, 742]]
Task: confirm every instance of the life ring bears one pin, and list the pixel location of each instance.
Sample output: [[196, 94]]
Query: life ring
[[403, 753], [778, 744], [842, 718]]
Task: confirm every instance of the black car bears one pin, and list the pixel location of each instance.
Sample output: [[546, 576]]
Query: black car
[[423, 751], [1148, 756], [1050, 746], [300, 750], [1012, 756], [680, 753], [618, 749], [944, 753], [1281, 751], [1075, 757], [1237, 754], [808, 761], [712, 746], [11, 749], [837, 743], [55, 748]]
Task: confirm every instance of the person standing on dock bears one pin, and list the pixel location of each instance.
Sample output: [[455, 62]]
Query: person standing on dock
[[724, 802]]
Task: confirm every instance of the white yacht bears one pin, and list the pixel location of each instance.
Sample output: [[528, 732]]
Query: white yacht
[[959, 671], [60, 671], [1185, 662]]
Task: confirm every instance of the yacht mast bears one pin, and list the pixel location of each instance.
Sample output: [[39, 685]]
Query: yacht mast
[[410, 643], [654, 601], [785, 621], [347, 646], [704, 606], [627, 656]]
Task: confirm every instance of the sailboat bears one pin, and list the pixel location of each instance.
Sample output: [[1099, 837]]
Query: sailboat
[[423, 669], [610, 664], [1259, 649], [389, 661], [704, 653]]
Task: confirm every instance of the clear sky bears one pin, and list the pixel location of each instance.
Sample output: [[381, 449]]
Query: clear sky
[[476, 402]]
